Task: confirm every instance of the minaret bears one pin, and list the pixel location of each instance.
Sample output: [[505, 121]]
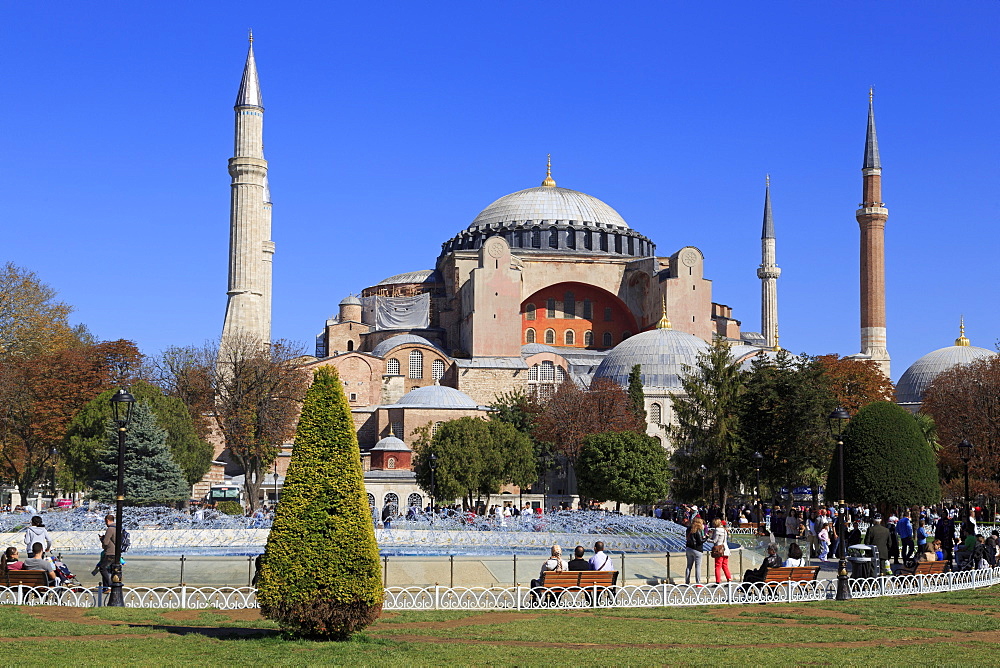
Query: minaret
[[248, 311], [768, 273], [871, 217]]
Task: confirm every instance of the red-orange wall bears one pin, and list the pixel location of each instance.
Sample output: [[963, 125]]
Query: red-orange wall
[[621, 319]]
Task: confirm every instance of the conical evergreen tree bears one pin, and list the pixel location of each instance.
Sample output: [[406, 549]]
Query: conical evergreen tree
[[151, 475], [320, 576]]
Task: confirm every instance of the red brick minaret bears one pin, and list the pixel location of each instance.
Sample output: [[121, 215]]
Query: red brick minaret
[[871, 217]]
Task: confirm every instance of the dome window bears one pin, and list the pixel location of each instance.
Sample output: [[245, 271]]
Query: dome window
[[536, 238], [571, 239], [554, 239], [588, 240], [529, 336], [626, 334], [392, 367], [607, 339], [416, 364]]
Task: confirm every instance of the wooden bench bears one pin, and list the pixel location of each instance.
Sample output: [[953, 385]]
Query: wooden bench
[[925, 568], [556, 583], [791, 574], [13, 578]]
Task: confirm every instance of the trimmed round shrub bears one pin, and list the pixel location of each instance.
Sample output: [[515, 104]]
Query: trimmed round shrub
[[887, 460], [320, 576], [229, 507]]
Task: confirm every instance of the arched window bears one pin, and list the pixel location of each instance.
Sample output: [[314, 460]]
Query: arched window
[[529, 336], [416, 364], [437, 425], [529, 312], [570, 337], [391, 502], [571, 238], [533, 372], [569, 305], [437, 369], [550, 307], [604, 241], [607, 338], [588, 338], [371, 500], [550, 336], [536, 238], [397, 430], [626, 334], [560, 374], [392, 367], [414, 501], [350, 346], [554, 239], [547, 372], [656, 414], [588, 240], [588, 309], [391, 463]]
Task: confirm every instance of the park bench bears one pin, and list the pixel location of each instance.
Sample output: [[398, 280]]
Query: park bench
[[791, 574], [24, 578], [555, 584]]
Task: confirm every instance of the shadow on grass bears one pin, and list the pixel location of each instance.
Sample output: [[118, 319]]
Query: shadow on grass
[[214, 632]]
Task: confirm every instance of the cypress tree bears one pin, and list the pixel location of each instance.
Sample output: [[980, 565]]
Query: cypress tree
[[151, 475], [320, 577], [636, 397], [887, 460]]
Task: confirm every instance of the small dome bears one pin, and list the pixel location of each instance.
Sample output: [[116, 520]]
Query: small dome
[[350, 300], [386, 346], [391, 444], [661, 353], [740, 351], [548, 203], [915, 380], [437, 396]]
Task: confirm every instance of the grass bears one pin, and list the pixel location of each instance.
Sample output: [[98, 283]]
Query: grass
[[960, 627]]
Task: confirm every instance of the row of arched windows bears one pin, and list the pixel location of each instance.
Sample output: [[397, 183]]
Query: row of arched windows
[[391, 500], [392, 366], [544, 378], [569, 337]]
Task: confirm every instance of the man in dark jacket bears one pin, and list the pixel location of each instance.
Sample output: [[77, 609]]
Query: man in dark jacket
[[878, 536], [772, 560], [578, 563], [945, 532], [107, 550]]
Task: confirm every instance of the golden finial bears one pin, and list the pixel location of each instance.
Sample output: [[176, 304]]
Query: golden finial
[[776, 347], [549, 182], [664, 320], [962, 340], [251, 37]]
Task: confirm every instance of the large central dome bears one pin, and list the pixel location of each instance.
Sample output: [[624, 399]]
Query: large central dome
[[551, 204]]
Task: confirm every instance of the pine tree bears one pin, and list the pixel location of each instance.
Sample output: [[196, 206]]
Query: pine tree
[[151, 475], [320, 577]]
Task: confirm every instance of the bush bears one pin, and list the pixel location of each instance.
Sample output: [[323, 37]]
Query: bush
[[320, 577], [887, 460], [229, 507]]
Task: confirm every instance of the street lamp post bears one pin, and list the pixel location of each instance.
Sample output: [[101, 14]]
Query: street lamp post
[[121, 404], [965, 452], [836, 420], [276, 482], [758, 459]]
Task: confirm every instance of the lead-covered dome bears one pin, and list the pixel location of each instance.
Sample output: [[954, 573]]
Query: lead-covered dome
[[661, 353], [548, 203], [916, 379], [437, 396], [387, 346]]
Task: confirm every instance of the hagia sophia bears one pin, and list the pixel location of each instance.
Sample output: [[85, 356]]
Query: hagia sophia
[[544, 284]]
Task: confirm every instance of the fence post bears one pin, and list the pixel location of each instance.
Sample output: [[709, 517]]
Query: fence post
[[385, 570], [668, 569], [741, 560], [181, 583], [437, 597], [249, 570], [183, 596], [20, 594], [514, 581], [623, 569], [451, 560]]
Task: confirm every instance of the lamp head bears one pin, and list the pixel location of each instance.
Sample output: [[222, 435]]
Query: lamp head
[[122, 403], [965, 450], [836, 421], [433, 461], [758, 459]]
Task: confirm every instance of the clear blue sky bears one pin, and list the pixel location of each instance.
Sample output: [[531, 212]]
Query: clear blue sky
[[389, 126]]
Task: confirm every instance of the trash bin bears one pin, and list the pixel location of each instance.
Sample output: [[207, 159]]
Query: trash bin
[[863, 559]]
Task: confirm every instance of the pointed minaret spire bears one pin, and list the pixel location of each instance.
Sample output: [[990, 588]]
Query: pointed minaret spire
[[768, 273], [248, 311], [249, 94], [871, 139], [872, 217]]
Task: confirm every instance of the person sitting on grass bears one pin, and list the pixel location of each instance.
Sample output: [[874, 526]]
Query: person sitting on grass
[[37, 563]]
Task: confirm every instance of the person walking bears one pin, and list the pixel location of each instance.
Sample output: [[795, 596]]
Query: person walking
[[718, 538], [824, 542], [904, 529], [36, 533], [879, 536], [694, 548]]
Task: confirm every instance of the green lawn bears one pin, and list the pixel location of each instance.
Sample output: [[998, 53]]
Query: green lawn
[[961, 627]]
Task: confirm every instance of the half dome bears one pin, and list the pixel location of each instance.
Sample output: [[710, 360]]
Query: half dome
[[662, 355], [915, 380], [549, 203], [437, 396], [385, 347]]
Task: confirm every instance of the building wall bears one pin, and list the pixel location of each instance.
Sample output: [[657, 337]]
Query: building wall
[[608, 315], [483, 385]]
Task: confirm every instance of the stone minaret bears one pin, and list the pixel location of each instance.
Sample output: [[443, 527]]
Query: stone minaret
[[248, 311], [871, 217], [768, 273]]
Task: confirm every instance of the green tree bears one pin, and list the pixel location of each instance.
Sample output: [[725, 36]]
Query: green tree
[[515, 455], [636, 397], [85, 436], [887, 460], [152, 478], [783, 416], [707, 412], [320, 577], [624, 467]]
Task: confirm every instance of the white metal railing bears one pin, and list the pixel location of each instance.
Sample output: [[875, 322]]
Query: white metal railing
[[522, 598]]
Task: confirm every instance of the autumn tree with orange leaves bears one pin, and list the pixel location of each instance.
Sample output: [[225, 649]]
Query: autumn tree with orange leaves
[[855, 383], [40, 394]]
